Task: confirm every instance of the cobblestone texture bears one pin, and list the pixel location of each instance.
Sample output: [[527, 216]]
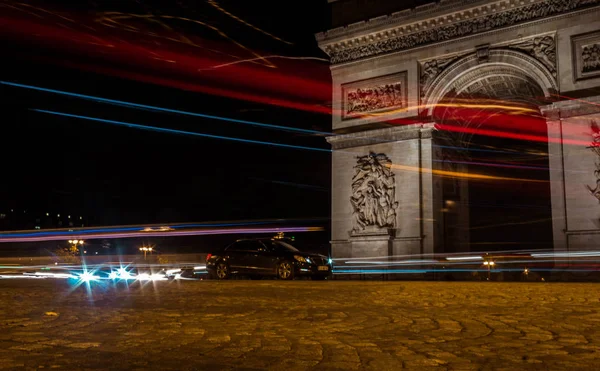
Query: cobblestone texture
[[256, 325]]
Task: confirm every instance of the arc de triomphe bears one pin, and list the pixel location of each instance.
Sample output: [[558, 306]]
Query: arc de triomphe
[[391, 73]]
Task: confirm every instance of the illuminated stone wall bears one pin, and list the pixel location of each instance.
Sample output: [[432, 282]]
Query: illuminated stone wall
[[393, 69]]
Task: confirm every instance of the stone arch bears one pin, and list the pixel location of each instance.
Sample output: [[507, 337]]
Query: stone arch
[[492, 104], [504, 63]]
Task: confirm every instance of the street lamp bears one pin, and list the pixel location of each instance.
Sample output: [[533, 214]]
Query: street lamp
[[74, 244], [489, 265], [146, 250]]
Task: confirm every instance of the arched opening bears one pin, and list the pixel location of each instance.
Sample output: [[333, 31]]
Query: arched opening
[[494, 140]]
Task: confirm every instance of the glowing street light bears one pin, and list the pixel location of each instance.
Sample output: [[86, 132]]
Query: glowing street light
[[489, 264], [146, 250]]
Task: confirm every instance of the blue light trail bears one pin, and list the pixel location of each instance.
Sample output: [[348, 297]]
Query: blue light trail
[[162, 109], [179, 132], [203, 115]]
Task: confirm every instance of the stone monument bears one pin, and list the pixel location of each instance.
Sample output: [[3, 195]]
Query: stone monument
[[393, 192]]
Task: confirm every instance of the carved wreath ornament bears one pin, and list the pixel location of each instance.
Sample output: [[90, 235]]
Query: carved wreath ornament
[[373, 193]]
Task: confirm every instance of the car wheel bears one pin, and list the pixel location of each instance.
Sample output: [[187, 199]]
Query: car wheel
[[285, 270], [222, 271]]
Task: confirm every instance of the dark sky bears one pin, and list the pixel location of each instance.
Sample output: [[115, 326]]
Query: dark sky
[[119, 175]]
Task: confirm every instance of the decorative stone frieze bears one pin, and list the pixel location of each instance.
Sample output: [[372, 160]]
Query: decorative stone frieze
[[443, 27]]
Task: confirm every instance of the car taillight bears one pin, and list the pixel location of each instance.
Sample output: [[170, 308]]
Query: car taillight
[[208, 256]]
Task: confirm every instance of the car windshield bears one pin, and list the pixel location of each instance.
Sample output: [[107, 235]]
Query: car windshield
[[286, 246]]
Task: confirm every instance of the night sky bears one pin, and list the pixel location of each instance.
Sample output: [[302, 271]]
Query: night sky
[[118, 175]]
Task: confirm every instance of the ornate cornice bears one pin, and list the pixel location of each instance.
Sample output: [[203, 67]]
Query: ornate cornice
[[378, 136], [572, 108], [358, 43]]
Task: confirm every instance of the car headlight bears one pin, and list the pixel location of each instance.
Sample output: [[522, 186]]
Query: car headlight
[[330, 261], [302, 259]]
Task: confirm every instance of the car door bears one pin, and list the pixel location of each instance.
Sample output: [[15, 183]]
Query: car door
[[266, 258], [240, 256], [253, 257]]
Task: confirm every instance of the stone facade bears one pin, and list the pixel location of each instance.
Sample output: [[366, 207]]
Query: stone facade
[[400, 67]]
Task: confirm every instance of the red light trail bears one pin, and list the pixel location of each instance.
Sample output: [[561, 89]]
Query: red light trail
[[130, 46], [184, 62]]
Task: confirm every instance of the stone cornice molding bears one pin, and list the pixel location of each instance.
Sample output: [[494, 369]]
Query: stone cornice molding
[[437, 23], [402, 17], [378, 136], [572, 108]]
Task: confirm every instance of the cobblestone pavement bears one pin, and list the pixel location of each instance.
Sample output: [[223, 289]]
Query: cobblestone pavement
[[256, 325]]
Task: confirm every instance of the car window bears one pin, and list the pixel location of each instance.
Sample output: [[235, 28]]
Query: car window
[[280, 246], [242, 246]]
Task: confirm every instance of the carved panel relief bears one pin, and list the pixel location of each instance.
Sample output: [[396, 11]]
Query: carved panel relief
[[595, 147], [373, 193], [586, 55], [591, 58], [374, 95]]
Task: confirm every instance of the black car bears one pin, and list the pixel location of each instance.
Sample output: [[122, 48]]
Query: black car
[[267, 257]]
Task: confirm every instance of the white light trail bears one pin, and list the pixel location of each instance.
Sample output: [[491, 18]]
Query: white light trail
[[391, 262], [465, 258], [55, 275], [574, 254]]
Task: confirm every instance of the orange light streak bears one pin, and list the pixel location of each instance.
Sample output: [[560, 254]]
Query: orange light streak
[[457, 174]]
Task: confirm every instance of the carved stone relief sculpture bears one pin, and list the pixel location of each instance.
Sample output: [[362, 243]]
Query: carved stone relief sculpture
[[586, 55], [590, 57], [373, 193], [374, 98], [595, 147], [379, 94], [542, 48], [431, 69]]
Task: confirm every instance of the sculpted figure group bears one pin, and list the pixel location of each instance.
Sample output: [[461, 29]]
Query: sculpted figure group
[[375, 98], [373, 193]]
